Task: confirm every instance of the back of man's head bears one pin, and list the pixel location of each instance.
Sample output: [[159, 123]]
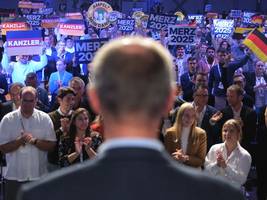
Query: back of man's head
[[133, 75]]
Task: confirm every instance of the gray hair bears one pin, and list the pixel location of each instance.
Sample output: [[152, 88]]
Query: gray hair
[[133, 75]]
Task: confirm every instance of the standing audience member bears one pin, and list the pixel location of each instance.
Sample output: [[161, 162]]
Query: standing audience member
[[240, 80], [81, 100], [42, 94], [51, 54], [23, 66], [26, 135], [129, 73], [229, 159], [221, 76], [58, 79], [260, 86], [60, 119], [14, 102], [204, 112], [237, 110], [188, 79], [3, 87], [184, 141], [76, 145], [261, 158]]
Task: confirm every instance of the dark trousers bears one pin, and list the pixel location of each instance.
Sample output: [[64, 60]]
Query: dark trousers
[[11, 189]]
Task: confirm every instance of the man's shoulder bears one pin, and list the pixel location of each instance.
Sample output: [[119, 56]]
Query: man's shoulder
[[94, 177], [211, 109], [11, 115]]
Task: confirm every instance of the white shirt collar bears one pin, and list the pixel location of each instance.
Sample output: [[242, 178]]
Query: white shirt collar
[[62, 114]]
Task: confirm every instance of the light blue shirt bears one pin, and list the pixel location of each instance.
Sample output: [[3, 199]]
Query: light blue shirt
[[153, 144]]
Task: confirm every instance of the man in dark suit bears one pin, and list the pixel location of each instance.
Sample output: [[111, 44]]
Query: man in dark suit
[[204, 113], [237, 110], [188, 79], [132, 90]]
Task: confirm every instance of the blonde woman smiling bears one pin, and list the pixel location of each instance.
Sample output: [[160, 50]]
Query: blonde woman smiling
[[228, 159]]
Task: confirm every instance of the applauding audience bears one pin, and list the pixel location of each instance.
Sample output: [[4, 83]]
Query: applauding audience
[[228, 159]]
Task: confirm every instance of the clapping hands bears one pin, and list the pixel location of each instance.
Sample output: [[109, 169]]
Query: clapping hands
[[79, 142], [179, 155]]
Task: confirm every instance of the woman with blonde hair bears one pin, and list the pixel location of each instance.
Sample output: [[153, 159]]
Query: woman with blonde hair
[[228, 159], [184, 141]]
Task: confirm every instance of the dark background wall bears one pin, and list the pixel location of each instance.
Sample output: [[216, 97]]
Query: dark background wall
[[190, 6]]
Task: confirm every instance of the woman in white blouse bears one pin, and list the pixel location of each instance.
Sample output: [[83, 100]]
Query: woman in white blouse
[[229, 160]]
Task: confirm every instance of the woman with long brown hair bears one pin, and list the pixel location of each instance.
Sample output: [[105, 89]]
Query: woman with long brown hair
[[184, 141], [77, 145]]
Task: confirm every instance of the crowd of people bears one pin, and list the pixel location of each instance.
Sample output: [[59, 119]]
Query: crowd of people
[[217, 123]]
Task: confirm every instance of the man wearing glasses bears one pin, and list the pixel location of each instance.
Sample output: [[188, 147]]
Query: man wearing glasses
[[26, 135]]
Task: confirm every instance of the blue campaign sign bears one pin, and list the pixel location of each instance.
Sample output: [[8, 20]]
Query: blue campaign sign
[[199, 18], [247, 17], [236, 13], [34, 19], [223, 28], [160, 22], [86, 49], [24, 42], [126, 25]]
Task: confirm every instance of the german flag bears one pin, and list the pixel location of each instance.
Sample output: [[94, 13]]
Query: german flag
[[257, 43]]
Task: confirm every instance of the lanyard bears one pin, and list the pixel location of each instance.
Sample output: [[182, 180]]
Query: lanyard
[[219, 71]]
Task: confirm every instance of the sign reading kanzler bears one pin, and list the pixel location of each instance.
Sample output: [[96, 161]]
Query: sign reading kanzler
[[181, 35]]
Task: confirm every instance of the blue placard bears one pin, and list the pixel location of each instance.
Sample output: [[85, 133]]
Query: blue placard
[[223, 28], [24, 42], [34, 19], [160, 22], [86, 49], [247, 17], [126, 25], [181, 35], [236, 13], [199, 18]]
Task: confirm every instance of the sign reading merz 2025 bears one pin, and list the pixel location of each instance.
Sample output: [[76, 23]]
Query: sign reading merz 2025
[[181, 35], [160, 22], [86, 49], [98, 14]]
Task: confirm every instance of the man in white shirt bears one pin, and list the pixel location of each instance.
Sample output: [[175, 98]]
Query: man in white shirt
[[26, 135]]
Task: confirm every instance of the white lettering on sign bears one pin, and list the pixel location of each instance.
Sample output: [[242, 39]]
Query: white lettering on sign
[[18, 43], [160, 22], [71, 26], [13, 26]]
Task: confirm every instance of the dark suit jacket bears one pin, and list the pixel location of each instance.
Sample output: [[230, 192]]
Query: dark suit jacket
[[5, 108], [187, 87], [215, 77], [249, 120], [4, 87], [212, 137], [129, 173]]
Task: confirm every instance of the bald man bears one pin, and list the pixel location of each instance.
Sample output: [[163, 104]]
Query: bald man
[[132, 89]]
